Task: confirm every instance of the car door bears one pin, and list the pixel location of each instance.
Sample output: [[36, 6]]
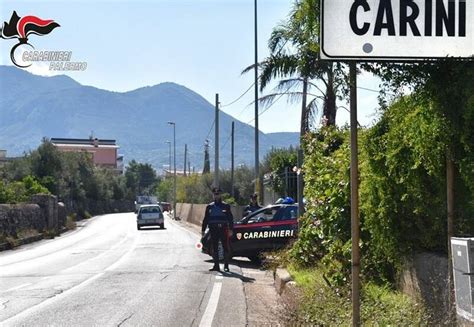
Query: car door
[[284, 226], [250, 234]]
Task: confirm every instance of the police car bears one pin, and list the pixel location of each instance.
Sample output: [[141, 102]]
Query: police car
[[266, 229]]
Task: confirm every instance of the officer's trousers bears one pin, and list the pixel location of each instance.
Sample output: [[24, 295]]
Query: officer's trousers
[[219, 232]]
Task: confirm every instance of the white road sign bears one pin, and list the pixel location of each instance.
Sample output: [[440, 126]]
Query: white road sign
[[397, 29]]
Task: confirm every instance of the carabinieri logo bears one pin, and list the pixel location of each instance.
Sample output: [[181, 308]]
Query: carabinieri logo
[[21, 28]]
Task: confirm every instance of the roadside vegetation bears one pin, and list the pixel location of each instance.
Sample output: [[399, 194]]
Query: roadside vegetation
[[403, 162], [196, 188], [320, 304], [84, 188]]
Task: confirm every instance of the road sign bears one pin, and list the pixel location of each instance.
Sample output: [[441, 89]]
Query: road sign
[[396, 29]]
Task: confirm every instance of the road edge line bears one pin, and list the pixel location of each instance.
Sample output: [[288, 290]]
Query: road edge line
[[211, 308]]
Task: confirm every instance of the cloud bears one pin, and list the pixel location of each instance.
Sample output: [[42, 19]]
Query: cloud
[[41, 68]]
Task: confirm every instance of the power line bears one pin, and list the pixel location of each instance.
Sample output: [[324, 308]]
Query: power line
[[210, 130], [372, 90], [240, 97], [267, 108], [226, 141], [367, 89]]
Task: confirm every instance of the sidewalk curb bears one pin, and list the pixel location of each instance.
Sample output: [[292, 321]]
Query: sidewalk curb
[[283, 281], [21, 241]]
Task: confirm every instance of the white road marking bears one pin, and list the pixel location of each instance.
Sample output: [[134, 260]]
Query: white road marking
[[68, 291], [219, 277], [208, 316], [16, 287]]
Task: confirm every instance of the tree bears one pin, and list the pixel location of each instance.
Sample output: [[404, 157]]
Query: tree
[[278, 163], [141, 178], [46, 165], [449, 84], [207, 162], [294, 59]]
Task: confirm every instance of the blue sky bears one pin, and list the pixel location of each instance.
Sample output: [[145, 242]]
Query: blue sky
[[201, 44]]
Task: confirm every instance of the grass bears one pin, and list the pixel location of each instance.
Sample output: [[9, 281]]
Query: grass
[[322, 305], [28, 232], [14, 241]]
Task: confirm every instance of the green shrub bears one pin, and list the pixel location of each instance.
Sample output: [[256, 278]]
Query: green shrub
[[21, 191], [325, 227], [322, 305]]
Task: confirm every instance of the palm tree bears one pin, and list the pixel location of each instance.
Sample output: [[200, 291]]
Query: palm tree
[[294, 60]]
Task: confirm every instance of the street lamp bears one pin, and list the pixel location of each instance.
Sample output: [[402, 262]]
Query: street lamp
[[174, 164], [257, 159], [169, 143]]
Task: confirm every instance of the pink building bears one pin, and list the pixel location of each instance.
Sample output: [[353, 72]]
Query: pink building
[[104, 152]]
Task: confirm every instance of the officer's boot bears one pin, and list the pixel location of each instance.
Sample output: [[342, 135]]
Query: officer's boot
[[226, 261], [216, 263]]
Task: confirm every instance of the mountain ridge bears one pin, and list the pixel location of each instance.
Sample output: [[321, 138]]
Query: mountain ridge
[[36, 106]]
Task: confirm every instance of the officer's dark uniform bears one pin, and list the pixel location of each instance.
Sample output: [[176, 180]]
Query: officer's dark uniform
[[252, 206], [219, 219]]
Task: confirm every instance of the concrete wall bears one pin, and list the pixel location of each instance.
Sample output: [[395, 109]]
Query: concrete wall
[[426, 278], [194, 213]]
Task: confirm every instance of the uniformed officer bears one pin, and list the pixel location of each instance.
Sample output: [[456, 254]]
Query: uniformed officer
[[220, 221], [253, 205]]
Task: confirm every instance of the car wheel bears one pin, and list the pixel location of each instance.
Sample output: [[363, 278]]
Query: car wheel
[[138, 227], [162, 226]]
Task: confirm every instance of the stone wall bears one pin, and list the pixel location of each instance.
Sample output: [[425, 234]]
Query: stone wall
[[43, 214], [15, 217], [49, 208], [194, 213], [46, 214]]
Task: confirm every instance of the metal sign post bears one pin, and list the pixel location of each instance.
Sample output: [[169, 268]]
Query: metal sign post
[[354, 198]]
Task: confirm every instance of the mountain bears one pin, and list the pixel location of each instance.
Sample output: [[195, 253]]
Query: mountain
[[33, 107]]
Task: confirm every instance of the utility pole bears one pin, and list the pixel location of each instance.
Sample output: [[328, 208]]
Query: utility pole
[[232, 160], [174, 168], [257, 160], [216, 144], [189, 167], [185, 158]]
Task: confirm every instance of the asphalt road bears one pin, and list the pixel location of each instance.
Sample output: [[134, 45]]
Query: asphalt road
[[107, 273]]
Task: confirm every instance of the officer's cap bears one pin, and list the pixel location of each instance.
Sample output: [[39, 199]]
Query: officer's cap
[[216, 190]]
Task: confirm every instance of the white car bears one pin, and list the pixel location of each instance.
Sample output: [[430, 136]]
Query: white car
[[144, 199], [150, 215]]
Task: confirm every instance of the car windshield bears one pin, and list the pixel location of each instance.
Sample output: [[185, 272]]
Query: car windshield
[[150, 210]]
